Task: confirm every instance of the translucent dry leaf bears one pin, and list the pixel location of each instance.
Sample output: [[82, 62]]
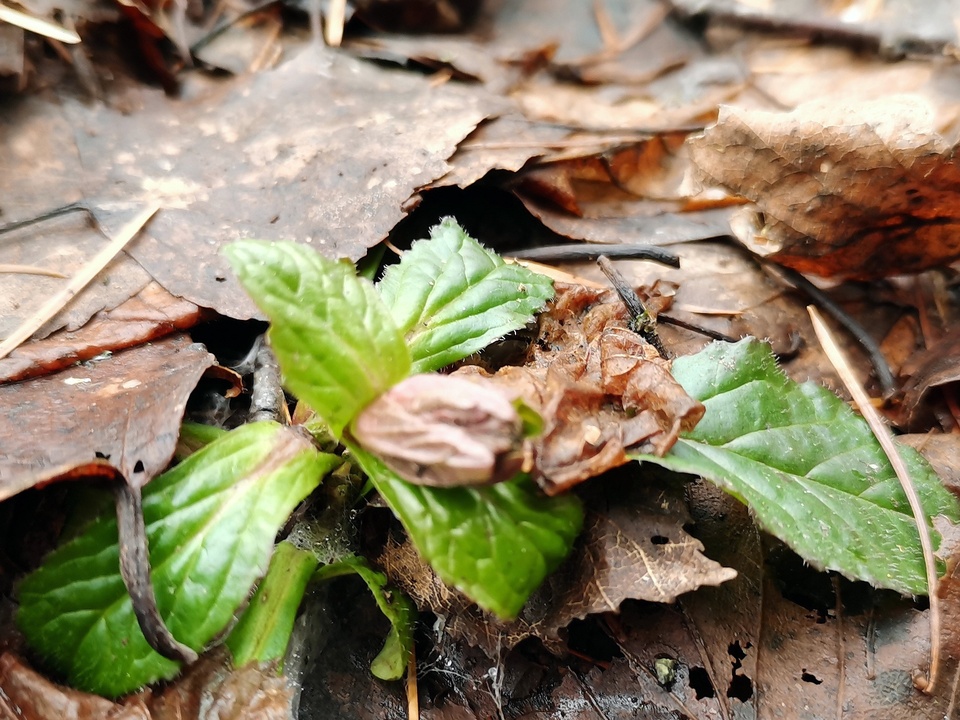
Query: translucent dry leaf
[[849, 191]]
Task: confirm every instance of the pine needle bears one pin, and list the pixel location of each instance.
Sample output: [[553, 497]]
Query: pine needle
[[79, 281], [885, 438]]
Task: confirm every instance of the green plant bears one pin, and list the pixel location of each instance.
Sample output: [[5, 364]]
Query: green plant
[[340, 347], [805, 464]]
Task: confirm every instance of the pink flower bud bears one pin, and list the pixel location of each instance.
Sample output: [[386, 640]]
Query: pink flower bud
[[443, 431]]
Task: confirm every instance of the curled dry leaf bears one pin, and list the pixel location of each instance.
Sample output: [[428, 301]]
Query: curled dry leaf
[[848, 191], [599, 388], [935, 367], [443, 431], [124, 410]]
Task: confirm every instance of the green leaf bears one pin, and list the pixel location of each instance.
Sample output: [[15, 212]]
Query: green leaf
[[211, 523], [807, 466], [194, 436], [496, 543], [336, 342], [263, 631], [391, 662], [452, 298]]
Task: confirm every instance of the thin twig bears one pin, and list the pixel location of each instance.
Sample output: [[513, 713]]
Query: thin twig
[[49, 215], [135, 570], [556, 274], [641, 322], [693, 327], [79, 281], [885, 438], [877, 359], [591, 251]]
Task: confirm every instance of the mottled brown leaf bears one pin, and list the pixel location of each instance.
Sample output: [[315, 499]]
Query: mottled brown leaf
[[779, 632], [124, 410], [849, 191], [322, 150]]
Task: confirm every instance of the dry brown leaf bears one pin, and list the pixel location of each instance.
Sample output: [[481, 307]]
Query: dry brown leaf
[[848, 191], [651, 168], [598, 387], [207, 690], [936, 366], [148, 315], [942, 451], [503, 143], [893, 27], [34, 697], [601, 188], [777, 634], [122, 412], [323, 150], [211, 690], [63, 245]]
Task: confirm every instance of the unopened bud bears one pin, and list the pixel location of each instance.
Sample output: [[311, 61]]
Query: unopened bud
[[443, 431]]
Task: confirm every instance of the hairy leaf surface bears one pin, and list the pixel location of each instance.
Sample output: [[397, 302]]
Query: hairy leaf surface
[[495, 544], [807, 466], [452, 298], [336, 342]]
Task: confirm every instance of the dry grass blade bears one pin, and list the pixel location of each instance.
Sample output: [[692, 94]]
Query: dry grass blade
[[333, 27], [37, 25], [29, 270], [883, 435], [413, 695], [87, 273], [556, 274]]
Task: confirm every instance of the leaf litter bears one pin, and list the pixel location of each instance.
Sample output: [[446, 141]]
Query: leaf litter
[[598, 388], [732, 662]]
